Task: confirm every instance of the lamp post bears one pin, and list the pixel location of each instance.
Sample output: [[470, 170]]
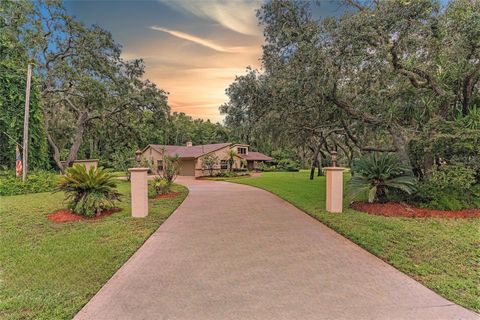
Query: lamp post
[[334, 158], [138, 157]]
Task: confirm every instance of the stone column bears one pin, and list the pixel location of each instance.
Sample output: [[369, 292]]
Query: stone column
[[334, 189], [139, 192]]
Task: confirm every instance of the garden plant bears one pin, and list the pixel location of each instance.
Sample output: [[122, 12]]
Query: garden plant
[[89, 192], [379, 174]]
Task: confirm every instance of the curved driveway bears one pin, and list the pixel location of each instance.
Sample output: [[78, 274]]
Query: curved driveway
[[232, 251]]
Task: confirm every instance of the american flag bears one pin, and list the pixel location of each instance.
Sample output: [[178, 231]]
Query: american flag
[[18, 162]]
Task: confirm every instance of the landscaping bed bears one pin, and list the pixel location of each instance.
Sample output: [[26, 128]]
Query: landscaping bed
[[167, 195], [67, 215], [395, 209]]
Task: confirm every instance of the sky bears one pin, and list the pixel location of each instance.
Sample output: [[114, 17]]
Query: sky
[[193, 49]]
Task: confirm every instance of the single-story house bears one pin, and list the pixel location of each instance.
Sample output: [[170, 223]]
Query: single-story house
[[191, 157]]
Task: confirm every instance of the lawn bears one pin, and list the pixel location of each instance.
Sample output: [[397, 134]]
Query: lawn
[[49, 271], [443, 254]]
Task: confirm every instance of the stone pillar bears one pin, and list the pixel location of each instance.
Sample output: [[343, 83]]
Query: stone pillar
[[139, 192], [334, 189]]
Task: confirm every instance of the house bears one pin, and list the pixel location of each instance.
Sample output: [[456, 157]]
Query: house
[[191, 157]]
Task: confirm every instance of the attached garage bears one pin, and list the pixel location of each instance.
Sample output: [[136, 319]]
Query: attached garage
[[187, 167]]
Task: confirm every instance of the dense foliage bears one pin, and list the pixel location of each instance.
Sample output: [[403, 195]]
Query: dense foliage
[[376, 175], [450, 187], [445, 142], [89, 192], [13, 77], [38, 181]]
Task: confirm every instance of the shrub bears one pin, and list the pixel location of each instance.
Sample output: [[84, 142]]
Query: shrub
[[288, 165], [266, 167], [161, 186], [450, 187], [38, 181], [378, 174], [445, 142], [88, 192], [225, 174]]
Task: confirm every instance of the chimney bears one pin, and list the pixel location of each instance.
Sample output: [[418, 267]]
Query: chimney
[[189, 143]]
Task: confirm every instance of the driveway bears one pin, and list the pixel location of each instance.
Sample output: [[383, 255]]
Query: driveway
[[232, 251]]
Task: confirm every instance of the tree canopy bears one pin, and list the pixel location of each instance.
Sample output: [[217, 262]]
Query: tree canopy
[[370, 80], [87, 101]]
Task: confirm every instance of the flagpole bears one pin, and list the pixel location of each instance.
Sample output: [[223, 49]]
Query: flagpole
[[25, 123]]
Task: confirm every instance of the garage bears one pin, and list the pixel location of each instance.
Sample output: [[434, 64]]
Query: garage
[[187, 167]]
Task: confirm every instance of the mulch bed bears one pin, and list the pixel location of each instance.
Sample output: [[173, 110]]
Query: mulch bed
[[167, 195], [67, 215], [394, 209]]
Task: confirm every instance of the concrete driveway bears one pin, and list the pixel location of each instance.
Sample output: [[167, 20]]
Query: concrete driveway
[[236, 252]]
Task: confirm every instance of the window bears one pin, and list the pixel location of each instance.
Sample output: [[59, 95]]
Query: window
[[224, 164], [242, 150], [160, 165]]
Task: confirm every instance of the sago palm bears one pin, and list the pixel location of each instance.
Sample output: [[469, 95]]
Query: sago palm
[[377, 174], [89, 191]]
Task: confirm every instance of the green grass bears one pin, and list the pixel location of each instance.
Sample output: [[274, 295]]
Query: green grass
[[49, 271], [443, 254]]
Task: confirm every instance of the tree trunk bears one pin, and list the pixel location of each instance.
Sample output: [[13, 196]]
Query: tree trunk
[[319, 165], [312, 170], [77, 140], [56, 152], [314, 163]]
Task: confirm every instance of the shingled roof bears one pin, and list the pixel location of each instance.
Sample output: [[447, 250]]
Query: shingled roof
[[188, 152], [256, 156]]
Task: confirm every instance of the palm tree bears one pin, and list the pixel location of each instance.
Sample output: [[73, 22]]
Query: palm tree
[[231, 159], [377, 174]]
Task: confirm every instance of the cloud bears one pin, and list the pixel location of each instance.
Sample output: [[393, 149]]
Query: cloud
[[201, 41], [239, 16]]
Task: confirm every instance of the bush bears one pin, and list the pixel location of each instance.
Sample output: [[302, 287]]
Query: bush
[[161, 186], [378, 175], [445, 142], [89, 192], [266, 167], [450, 187], [225, 174], [288, 165], [39, 181]]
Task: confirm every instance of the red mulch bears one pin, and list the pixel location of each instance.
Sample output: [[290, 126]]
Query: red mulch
[[67, 215], [394, 209], [167, 195]]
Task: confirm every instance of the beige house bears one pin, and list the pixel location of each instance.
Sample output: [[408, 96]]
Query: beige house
[[191, 157]]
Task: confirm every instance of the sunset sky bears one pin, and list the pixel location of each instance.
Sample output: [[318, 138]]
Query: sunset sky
[[192, 49]]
